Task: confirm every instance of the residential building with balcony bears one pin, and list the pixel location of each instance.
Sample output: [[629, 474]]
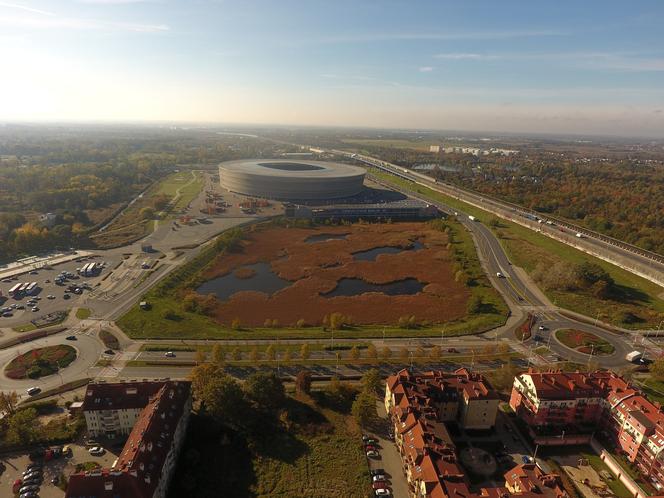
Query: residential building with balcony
[[595, 403], [147, 461], [420, 406]]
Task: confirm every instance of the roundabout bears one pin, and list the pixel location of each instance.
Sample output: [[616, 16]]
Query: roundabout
[[41, 362]]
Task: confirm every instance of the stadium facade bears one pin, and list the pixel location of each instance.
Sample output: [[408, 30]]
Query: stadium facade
[[291, 179]]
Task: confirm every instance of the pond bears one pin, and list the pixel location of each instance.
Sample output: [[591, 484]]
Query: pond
[[324, 237], [262, 280], [372, 254], [357, 286]]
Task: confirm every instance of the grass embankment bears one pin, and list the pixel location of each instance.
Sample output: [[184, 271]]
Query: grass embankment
[[40, 362], [528, 249], [162, 198], [109, 339], [314, 451], [584, 342], [167, 318]]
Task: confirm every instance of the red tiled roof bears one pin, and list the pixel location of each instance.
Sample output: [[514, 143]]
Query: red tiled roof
[[138, 469]]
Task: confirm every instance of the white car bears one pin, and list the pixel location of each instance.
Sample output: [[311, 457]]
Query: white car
[[169, 354], [372, 453], [379, 478], [541, 327], [35, 308], [499, 275], [50, 296], [33, 390], [383, 492], [96, 450]]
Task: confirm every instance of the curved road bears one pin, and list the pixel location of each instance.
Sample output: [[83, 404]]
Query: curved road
[[523, 296]]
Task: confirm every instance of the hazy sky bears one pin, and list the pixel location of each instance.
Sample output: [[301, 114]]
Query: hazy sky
[[561, 66]]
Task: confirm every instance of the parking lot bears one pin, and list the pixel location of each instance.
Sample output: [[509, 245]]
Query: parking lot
[[49, 296], [13, 466]]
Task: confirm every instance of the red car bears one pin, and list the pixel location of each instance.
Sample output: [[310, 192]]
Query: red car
[[380, 485], [17, 485]]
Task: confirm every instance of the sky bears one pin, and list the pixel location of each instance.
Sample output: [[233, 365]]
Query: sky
[[586, 67]]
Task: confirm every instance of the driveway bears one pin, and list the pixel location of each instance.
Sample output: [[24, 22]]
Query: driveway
[[390, 459]]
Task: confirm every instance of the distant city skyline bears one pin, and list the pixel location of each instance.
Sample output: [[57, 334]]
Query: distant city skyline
[[594, 67]]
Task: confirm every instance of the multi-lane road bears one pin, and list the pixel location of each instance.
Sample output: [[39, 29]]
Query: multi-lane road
[[646, 264]]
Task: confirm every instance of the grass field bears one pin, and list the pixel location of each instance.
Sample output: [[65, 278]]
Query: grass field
[[318, 453], [83, 313], [130, 226], [395, 144], [527, 249], [584, 342]]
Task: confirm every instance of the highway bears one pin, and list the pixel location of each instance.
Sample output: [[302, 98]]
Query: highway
[[644, 263]]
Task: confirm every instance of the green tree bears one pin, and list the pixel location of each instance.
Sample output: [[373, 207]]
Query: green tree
[[266, 390], [147, 213], [474, 305], [22, 426], [372, 353], [386, 353], [657, 369], [364, 409], [224, 400], [8, 402], [354, 353], [270, 353], [201, 356], [235, 354], [286, 358], [304, 351], [218, 355], [372, 381], [253, 354]]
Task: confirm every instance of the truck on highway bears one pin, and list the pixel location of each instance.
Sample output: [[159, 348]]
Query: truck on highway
[[472, 218], [579, 235], [634, 356]]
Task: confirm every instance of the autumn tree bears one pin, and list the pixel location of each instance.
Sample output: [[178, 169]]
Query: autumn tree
[[266, 390]]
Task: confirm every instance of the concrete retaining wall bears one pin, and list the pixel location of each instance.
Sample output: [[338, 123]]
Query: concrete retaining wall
[[615, 467]]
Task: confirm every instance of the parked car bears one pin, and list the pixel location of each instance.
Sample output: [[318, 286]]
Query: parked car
[[50, 296], [379, 477], [35, 309], [71, 338], [452, 350], [376, 472], [109, 352], [373, 454], [380, 485], [66, 296], [96, 450], [383, 492]]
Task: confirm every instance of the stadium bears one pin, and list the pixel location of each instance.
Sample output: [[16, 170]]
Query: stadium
[[291, 180]]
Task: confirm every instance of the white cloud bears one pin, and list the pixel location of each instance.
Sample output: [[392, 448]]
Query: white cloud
[[478, 35], [114, 2], [426, 69], [25, 8], [466, 56], [79, 24]]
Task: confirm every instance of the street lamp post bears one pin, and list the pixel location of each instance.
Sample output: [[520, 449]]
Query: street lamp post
[[592, 350]]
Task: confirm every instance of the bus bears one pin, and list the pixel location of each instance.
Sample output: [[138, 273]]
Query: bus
[[14, 290], [31, 288], [24, 286]]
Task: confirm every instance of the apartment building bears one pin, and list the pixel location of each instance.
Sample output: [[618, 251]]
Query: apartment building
[[420, 406], [597, 402], [462, 396], [147, 461]]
